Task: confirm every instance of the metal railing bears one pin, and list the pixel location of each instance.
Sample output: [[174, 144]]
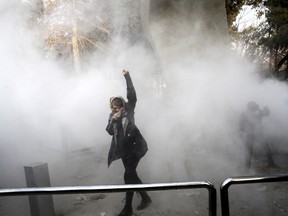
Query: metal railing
[[244, 180], [118, 188]]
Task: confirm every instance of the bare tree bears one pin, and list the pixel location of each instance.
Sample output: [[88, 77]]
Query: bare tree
[[71, 29]]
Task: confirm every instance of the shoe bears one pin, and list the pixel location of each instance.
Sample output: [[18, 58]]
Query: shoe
[[126, 212], [144, 203]]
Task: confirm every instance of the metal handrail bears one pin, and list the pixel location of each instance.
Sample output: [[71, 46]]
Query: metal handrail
[[117, 188], [244, 180]]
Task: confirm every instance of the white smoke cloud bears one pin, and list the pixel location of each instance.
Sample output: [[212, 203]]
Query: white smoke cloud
[[192, 130], [207, 89]]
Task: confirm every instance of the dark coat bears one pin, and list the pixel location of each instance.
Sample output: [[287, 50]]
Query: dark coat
[[127, 140]]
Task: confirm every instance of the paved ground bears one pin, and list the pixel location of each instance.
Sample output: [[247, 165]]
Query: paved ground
[[263, 199], [256, 199]]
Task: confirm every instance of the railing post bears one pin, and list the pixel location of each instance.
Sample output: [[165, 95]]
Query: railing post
[[224, 197], [37, 175], [244, 180], [212, 200]]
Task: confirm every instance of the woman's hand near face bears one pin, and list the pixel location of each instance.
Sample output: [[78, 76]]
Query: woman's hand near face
[[117, 115], [117, 112]]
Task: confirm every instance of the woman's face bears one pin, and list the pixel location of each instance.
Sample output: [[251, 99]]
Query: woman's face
[[116, 109]]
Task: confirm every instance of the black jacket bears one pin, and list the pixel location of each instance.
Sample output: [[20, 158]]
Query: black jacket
[[127, 140]]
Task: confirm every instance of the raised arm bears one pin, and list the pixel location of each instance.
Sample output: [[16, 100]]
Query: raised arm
[[131, 93]]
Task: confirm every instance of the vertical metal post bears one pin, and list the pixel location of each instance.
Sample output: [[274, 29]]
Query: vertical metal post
[[212, 200], [37, 175], [244, 180], [225, 197]]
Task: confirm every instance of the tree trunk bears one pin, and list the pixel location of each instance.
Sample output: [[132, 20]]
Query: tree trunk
[[280, 63], [74, 41]]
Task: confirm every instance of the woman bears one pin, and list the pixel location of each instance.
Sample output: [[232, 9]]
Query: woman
[[127, 142]]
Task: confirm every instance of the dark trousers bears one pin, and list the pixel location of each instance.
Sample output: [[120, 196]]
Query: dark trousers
[[131, 177], [249, 144], [250, 140]]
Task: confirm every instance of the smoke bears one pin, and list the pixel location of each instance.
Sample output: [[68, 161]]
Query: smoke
[[47, 112], [44, 111], [207, 90]]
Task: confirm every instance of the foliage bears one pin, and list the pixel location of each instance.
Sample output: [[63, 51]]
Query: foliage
[[70, 29], [73, 29], [276, 39], [233, 8], [267, 43]]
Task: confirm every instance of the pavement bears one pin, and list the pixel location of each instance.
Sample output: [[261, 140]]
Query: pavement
[[263, 199], [90, 168]]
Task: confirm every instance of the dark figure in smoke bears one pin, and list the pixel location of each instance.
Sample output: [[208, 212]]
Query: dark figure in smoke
[[251, 131], [127, 142]]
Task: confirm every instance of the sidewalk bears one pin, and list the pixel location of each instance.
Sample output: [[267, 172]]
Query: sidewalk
[[272, 197], [89, 168]]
